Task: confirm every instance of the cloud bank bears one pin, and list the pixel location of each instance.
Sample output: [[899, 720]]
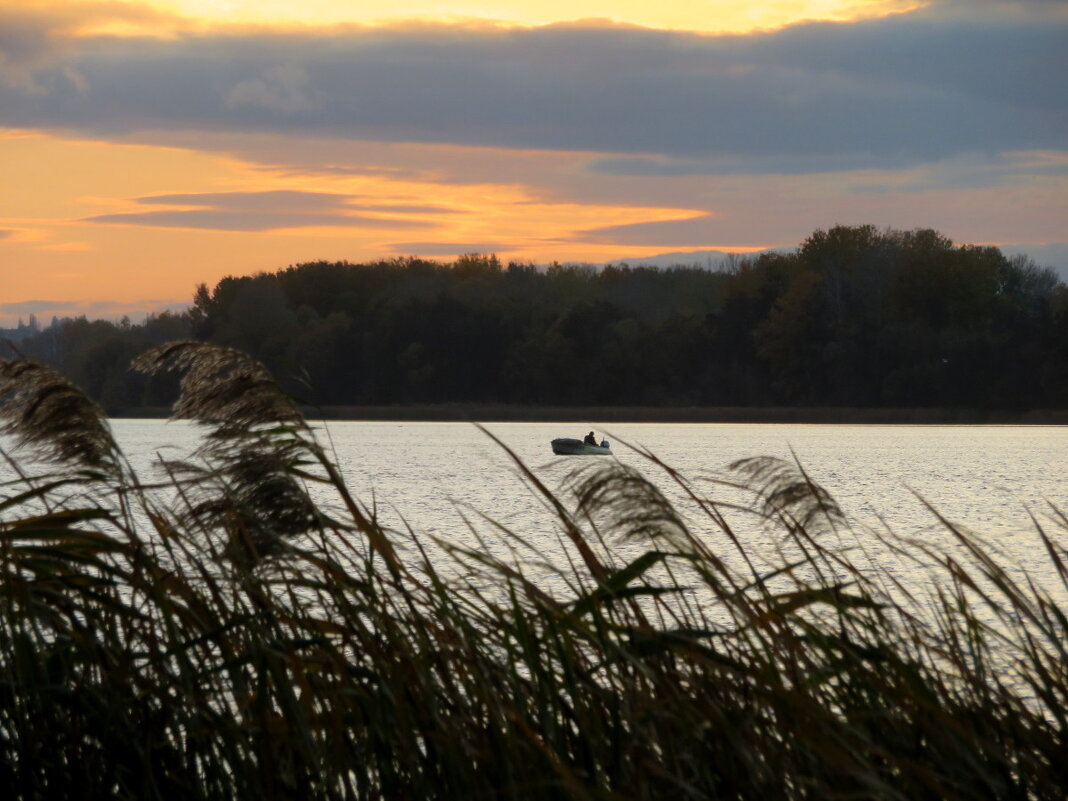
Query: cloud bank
[[896, 91]]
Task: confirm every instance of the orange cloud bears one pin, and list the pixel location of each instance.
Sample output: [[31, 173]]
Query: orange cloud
[[128, 222]]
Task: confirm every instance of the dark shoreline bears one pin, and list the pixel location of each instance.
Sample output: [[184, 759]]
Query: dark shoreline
[[499, 413]]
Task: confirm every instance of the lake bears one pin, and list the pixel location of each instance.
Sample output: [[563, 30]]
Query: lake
[[429, 476], [444, 480]]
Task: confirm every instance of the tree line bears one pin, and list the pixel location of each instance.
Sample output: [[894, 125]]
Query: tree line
[[855, 316]]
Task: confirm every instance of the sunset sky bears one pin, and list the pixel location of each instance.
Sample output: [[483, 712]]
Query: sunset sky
[[149, 146]]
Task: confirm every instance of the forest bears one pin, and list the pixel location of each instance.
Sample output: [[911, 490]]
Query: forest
[[856, 316]]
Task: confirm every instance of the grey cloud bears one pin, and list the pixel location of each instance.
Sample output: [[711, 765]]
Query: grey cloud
[[37, 37], [287, 200], [900, 90], [223, 220], [666, 166], [29, 37], [970, 171], [283, 88], [257, 211], [1037, 10], [6, 233], [278, 200], [335, 169], [34, 306], [26, 44], [1014, 63], [704, 230]]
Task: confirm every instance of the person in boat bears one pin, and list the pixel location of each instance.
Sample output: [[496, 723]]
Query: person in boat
[[590, 439]]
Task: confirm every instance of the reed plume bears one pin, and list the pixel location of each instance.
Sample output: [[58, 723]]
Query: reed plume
[[53, 419], [626, 503], [248, 477], [222, 387], [786, 492]]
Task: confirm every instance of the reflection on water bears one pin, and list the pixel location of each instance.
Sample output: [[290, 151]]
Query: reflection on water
[[984, 477], [430, 476]]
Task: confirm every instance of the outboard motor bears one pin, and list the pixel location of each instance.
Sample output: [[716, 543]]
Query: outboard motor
[[604, 443]]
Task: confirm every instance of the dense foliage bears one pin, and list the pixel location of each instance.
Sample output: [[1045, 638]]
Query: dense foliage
[[219, 635], [854, 317]]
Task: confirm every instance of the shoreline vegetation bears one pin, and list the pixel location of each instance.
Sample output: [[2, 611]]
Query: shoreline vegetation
[[857, 325], [220, 634], [509, 413]]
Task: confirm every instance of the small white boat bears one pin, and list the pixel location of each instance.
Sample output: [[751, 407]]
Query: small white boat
[[565, 446]]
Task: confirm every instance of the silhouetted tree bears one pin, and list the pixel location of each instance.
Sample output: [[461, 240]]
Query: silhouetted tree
[[855, 316]]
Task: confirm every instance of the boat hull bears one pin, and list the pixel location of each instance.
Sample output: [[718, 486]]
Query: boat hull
[[565, 446]]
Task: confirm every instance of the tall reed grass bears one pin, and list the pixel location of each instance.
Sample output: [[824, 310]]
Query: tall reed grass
[[217, 634]]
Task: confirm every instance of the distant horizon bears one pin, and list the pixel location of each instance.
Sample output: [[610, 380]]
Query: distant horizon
[[11, 314]]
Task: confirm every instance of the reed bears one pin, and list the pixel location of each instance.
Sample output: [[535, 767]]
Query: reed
[[218, 634]]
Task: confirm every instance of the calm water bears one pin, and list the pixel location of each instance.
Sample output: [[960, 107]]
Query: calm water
[[986, 478], [429, 475]]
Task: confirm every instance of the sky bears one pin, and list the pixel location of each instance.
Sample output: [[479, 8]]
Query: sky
[[146, 147]]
